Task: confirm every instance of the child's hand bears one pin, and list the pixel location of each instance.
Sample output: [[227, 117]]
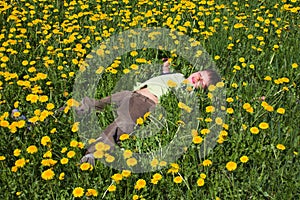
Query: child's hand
[[166, 66]]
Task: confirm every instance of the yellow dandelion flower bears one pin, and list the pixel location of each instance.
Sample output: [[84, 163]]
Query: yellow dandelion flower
[[234, 85], [281, 111], [4, 59], [285, 80], [126, 173], [78, 192], [226, 126], [48, 174], [100, 146], [194, 132], [250, 36], [211, 88], [21, 123], [254, 130], [64, 150], [219, 121], [109, 158], [48, 154], [127, 154], [162, 163], [75, 127], [244, 159], [72, 102], [117, 177], [200, 182], [154, 181], [202, 175], [173, 170], [50, 106], [229, 110], [210, 95], [280, 147], [141, 60], [4, 123], [131, 162], [157, 176], [80, 145], [141, 183], [177, 179], [231, 166], [61, 176], [175, 165], [133, 53], [220, 84], [48, 162], [98, 154], [205, 131], [41, 76], [2, 158], [20, 163], [197, 139], [263, 125], [14, 168], [43, 98], [139, 121], [269, 108], [229, 100], [106, 147], [71, 154], [25, 62], [238, 25], [45, 140], [33, 98], [32, 149], [33, 119], [294, 65], [171, 83], [73, 143], [184, 107], [16, 114], [100, 70], [112, 188], [206, 163], [246, 106], [85, 166], [134, 67], [146, 115], [210, 109], [217, 57], [264, 104], [154, 162], [91, 192], [126, 71], [124, 137]]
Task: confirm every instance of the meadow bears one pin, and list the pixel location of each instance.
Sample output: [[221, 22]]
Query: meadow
[[255, 47]]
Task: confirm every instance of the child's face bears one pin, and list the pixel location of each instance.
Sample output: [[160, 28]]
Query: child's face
[[200, 78]]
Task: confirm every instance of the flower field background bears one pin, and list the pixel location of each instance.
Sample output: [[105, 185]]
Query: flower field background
[[255, 45]]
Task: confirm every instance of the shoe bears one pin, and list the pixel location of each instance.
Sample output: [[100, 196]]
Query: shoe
[[88, 158]]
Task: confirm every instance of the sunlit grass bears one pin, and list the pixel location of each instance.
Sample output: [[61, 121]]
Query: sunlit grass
[[255, 46]]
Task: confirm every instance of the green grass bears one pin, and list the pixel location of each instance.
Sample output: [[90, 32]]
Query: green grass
[[55, 37]]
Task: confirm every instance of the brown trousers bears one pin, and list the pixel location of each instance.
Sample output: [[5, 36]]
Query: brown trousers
[[129, 106]]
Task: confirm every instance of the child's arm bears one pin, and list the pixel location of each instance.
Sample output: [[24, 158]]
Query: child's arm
[[166, 66]]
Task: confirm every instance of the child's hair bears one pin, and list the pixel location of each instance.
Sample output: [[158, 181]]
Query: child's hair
[[214, 77]]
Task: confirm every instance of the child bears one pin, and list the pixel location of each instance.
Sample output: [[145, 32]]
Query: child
[[132, 105]]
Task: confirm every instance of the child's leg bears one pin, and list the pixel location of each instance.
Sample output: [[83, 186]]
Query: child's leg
[[129, 111], [88, 104]]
